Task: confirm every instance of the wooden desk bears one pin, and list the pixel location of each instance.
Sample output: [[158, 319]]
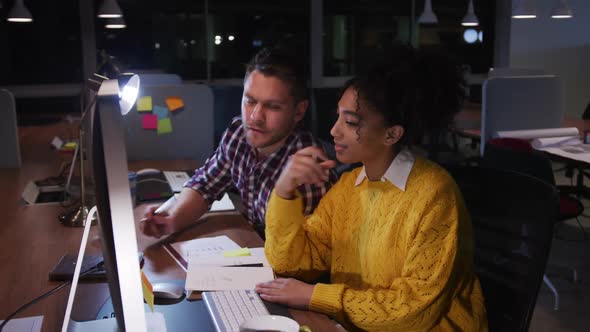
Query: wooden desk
[[468, 124], [32, 240]]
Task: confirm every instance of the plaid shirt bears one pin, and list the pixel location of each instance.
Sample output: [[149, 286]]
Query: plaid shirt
[[235, 163]]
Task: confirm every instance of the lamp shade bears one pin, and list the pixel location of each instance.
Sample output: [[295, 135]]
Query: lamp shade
[[109, 9], [115, 23], [524, 9], [128, 88], [19, 13], [470, 19], [128, 91], [562, 9], [428, 16]]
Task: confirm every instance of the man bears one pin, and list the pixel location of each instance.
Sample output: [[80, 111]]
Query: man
[[253, 150]]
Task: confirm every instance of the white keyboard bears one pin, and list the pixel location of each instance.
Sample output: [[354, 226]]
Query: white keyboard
[[229, 309], [176, 180]]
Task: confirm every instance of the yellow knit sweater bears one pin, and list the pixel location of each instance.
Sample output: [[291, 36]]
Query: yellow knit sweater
[[398, 261]]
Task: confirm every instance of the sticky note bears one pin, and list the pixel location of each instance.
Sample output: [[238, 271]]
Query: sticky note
[[144, 104], [161, 112], [174, 103], [164, 126], [237, 252], [69, 146], [149, 121], [148, 291]]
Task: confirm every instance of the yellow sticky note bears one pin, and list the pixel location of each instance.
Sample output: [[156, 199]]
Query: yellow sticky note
[[237, 252], [164, 126], [174, 103], [144, 104], [148, 291], [69, 146]]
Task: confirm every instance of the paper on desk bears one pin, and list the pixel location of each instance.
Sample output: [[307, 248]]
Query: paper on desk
[[211, 278], [548, 142], [224, 204], [208, 246], [539, 133], [257, 257], [29, 324]]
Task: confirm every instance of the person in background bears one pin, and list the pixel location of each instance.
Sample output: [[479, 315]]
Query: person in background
[[394, 234], [253, 150]]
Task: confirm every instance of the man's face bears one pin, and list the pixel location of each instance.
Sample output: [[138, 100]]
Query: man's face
[[269, 112]]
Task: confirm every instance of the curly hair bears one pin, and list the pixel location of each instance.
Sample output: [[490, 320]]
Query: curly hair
[[418, 90], [280, 63]]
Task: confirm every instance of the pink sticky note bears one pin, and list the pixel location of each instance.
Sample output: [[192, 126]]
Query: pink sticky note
[[149, 121]]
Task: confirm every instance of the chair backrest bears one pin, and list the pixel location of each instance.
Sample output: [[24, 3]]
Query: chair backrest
[[192, 127], [518, 155], [512, 216], [9, 145], [520, 102], [586, 115]]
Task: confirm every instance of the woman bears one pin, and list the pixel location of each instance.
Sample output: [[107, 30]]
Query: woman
[[394, 234]]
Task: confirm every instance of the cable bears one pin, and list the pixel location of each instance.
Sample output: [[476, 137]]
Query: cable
[[48, 293]]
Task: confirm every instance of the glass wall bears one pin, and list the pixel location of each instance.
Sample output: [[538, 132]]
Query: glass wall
[[212, 39], [358, 32], [181, 37]]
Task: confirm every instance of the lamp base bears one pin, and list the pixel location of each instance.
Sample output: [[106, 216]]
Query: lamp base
[[76, 217]]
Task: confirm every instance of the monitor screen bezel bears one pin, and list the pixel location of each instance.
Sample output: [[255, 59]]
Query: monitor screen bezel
[[115, 209]]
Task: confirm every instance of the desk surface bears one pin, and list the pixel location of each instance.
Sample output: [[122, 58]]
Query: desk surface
[[468, 123], [32, 240]]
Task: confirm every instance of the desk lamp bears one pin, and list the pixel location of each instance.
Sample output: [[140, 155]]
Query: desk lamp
[[127, 97]]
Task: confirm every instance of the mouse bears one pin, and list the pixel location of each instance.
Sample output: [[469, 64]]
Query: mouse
[[146, 171], [269, 323], [167, 290]]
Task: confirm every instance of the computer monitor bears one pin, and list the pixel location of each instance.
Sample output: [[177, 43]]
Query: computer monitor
[[116, 220]]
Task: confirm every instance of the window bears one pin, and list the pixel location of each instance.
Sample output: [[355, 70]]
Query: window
[[48, 50], [358, 32]]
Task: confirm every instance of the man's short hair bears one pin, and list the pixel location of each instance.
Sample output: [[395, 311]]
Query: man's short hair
[[283, 65]]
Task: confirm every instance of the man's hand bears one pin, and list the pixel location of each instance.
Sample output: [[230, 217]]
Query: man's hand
[[306, 166], [156, 225], [188, 207], [290, 292]]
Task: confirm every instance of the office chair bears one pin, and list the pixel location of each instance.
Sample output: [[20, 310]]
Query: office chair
[[518, 155], [513, 216], [586, 115], [9, 144]]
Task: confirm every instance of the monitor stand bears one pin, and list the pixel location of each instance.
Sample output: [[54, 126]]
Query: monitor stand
[[180, 316], [154, 320]]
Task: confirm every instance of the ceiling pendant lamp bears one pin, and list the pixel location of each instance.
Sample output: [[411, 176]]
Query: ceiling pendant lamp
[[115, 23], [562, 9], [524, 9], [19, 13], [470, 19], [109, 9], [428, 16]]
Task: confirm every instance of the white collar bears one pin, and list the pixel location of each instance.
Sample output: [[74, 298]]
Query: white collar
[[397, 173]]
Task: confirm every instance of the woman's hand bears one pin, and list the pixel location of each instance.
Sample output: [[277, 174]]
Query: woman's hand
[[290, 292], [306, 166]]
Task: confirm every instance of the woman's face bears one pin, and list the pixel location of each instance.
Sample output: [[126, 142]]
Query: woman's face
[[360, 134]]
